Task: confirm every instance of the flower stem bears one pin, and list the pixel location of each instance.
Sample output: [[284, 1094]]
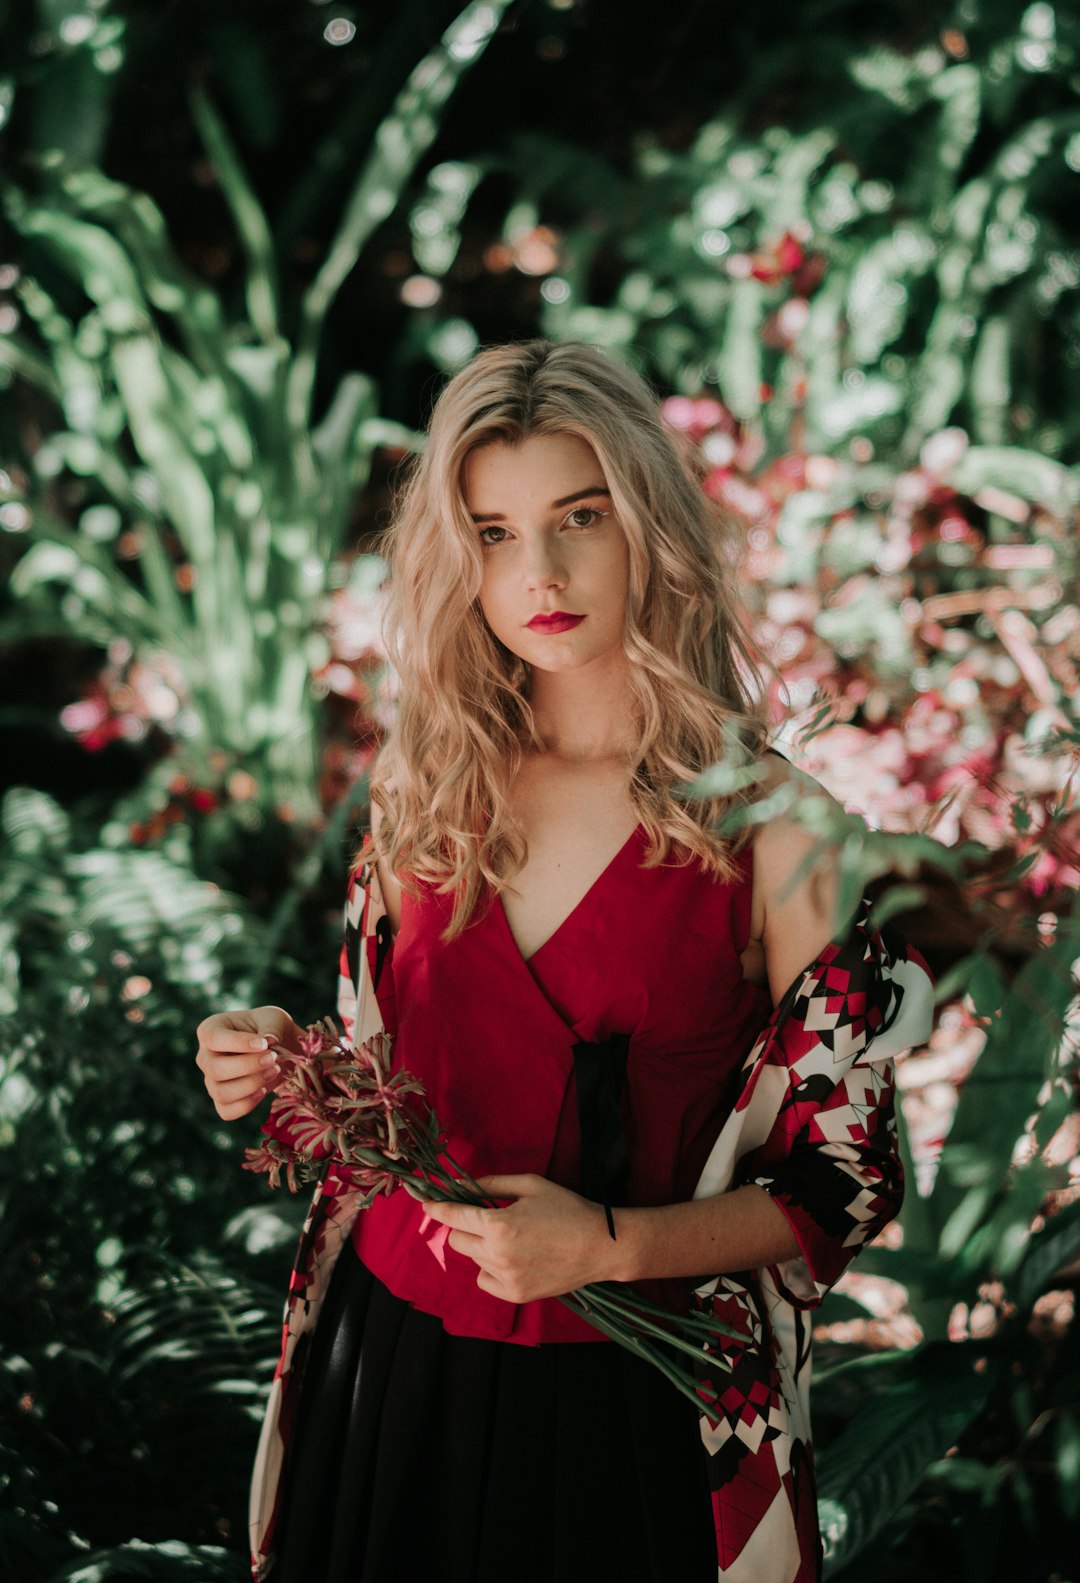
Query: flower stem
[[632, 1341], [633, 1323], [626, 1300]]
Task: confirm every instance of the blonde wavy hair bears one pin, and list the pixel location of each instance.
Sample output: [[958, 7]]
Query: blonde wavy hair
[[443, 777]]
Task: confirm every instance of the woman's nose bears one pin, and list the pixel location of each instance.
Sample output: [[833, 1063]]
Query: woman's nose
[[545, 566]]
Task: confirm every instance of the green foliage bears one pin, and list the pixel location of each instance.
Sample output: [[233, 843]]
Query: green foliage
[[914, 1408], [973, 1233], [851, 277], [200, 438], [902, 262], [141, 1322], [165, 1385], [169, 1560]]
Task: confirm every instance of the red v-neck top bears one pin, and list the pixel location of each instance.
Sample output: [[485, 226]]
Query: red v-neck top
[[649, 953]]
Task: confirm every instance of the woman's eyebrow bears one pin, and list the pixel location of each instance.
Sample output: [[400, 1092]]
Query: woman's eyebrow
[[567, 500]]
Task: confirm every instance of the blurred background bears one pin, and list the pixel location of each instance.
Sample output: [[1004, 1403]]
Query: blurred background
[[243, 246]]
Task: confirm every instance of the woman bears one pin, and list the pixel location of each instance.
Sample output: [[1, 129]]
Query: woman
[[602, 994]]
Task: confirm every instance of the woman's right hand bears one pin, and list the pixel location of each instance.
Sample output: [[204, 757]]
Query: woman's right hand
[[236, 1056]]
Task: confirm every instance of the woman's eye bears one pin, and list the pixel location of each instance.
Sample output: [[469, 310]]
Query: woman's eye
[[490, 530], [591, 512]]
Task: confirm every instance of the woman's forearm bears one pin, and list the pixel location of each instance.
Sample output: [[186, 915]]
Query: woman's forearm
[[739, 1230], [548, 1240]]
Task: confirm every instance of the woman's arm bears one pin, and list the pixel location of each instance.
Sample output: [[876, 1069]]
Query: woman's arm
[[793, 924], [551, 1240]]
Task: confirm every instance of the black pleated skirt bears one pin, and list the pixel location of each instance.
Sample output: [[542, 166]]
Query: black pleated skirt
[[419, 1456]]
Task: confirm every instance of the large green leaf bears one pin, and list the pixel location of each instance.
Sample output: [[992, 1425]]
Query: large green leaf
[[101, 265], [161, 1563], [1052, 1254], [261, 286], [59, 555], [168, 285], [402, 140], [928, 1398], [1007, 1087]]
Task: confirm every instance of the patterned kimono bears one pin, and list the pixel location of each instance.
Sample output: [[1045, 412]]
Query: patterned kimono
[[813, 1124]]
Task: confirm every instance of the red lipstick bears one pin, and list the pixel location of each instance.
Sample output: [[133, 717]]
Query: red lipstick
[[557, 621]]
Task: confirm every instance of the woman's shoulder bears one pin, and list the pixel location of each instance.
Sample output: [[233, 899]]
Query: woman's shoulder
[[777, 772], [795, 868], [792, 828]]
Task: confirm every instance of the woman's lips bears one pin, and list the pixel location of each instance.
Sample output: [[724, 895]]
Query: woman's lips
[[558, 622]]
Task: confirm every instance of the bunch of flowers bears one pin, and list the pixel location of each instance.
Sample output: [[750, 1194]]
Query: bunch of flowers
[[344, 1109]]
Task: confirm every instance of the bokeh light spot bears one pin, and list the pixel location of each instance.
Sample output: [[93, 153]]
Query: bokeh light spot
[[14, 516], [420, 291], [339, 30], [555, 290], [77, 29]]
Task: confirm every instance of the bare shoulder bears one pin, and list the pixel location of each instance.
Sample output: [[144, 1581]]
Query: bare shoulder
[[391, 889], [793, 912], [785, 827]]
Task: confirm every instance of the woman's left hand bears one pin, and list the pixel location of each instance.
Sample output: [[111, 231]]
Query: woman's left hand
[[546, 1242]]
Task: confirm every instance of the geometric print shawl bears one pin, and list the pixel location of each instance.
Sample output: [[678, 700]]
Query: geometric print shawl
[[813, 1124]]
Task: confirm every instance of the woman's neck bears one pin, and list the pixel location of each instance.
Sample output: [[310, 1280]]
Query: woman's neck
[[582, 718]]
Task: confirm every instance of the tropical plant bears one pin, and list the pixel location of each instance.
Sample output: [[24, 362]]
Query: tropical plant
[[143, 1276], [216, 497], [901, 258], [923, 636], [999, 1227], [870, 319]]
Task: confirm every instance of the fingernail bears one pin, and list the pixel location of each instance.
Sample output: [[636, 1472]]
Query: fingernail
[[259, 1044], [268, 1060]]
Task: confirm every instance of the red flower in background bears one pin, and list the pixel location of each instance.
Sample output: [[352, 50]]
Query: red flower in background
[[784, 259], [921, 718]]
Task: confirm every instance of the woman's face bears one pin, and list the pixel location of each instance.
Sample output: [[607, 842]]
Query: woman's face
[[551, 543]]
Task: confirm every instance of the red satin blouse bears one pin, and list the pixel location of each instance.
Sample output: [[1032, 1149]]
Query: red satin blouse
[[649, 953]]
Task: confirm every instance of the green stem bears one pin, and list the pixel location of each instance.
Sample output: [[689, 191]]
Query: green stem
[[617, 1311], [636, 1323], [650, 1354], [469, 1182], [626, 1300]]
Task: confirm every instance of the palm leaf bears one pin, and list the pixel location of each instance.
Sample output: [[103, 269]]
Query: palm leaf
[[261, 288], [168, 285], [162, 1563], [1052, 1255], [402, 140], [872, 1467]]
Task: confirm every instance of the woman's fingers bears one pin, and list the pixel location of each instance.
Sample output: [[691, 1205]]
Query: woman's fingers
[[236, 1059], [462, 1242], [518, 1186], [239, 1095], [219, 1068], [230, 1089], [240, 1107], [240, 1030], [462, 1217]]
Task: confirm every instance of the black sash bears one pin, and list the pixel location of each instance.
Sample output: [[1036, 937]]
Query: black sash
[[600, 1076]]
